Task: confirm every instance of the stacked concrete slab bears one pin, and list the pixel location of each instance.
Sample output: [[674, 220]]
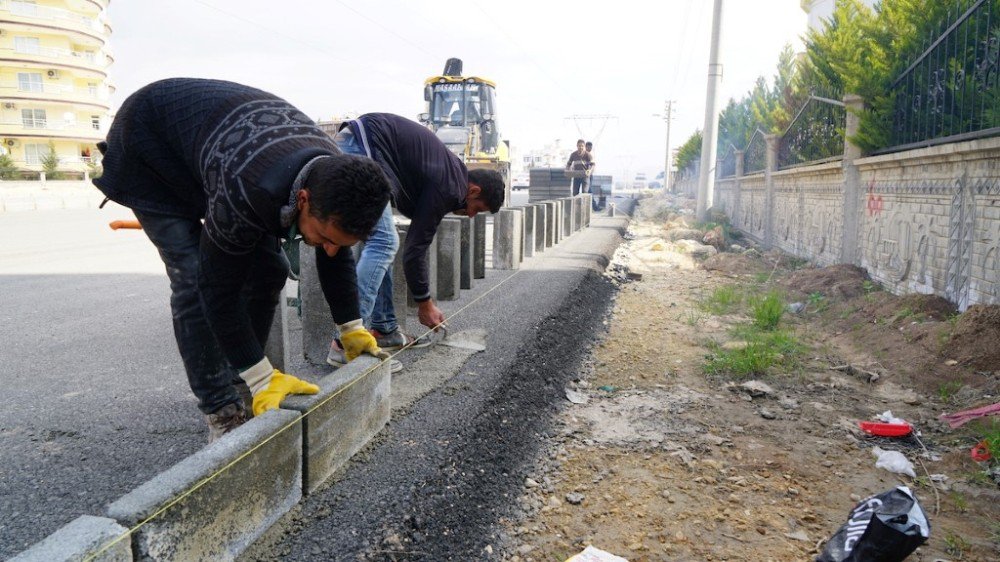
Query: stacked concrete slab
[[468, 247], [449, 259], [528, 236], [541, 222], [479, 252], [507, 245], [548, 183]]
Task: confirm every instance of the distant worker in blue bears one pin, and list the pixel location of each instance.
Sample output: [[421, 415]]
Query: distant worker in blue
[[428, 182], [221, 176]]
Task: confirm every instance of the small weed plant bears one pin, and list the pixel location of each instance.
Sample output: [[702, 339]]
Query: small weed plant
[[767, 311], [764, 349], [723, 300]]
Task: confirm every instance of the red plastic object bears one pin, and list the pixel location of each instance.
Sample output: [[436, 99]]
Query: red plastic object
[[980, 452], [886, 429]]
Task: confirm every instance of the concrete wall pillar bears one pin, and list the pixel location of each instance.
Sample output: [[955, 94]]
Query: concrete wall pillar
[[769, 169], [507, 239], [849, 242], [528, 239], [734, 218], [468, 240], [449, 262], [479, 251], [318, 327]]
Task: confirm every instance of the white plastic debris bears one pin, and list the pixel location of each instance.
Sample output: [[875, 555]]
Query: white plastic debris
[[887, 417], [591, 554], [893, 461], [576, 397]]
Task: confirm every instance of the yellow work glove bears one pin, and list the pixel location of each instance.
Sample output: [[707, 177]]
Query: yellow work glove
[[357, 340], [270, 386]]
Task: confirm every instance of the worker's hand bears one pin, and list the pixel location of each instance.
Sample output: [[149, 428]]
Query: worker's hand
[[270, 386], [429, 314], [357, 340]]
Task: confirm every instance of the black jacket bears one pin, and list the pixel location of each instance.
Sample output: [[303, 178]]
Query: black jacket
[[228, 154], [428, 182]]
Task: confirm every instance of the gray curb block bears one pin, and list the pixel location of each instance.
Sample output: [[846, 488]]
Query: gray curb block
[[225, 515], [78, 540], [342, 425]]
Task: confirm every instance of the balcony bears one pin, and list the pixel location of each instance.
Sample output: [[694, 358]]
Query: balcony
[[29, 13], [85, 62], [40, 91], [43, 128]]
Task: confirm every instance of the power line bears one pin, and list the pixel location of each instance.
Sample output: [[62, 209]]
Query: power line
[[681, 45], [301, 41], [387, 30], [546, 74]]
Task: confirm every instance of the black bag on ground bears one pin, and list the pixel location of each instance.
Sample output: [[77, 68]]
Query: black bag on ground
[[887, 527]]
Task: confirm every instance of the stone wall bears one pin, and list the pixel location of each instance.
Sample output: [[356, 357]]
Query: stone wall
[[931, 221], [924, 220]]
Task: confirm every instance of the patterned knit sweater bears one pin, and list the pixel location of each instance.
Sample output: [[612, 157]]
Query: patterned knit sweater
[[228, 154]]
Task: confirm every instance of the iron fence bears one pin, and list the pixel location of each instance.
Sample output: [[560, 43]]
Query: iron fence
[[755, 156], [726, 166], [950, 91], [816, 133]]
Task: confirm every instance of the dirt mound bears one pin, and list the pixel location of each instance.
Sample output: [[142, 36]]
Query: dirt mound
[[973, 341], [736, 264], [842, 280], [889, 308]]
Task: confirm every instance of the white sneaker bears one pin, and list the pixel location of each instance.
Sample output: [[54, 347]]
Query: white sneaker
[[336, 358]]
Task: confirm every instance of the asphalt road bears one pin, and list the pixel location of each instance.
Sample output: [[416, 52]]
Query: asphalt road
[[95, 398]]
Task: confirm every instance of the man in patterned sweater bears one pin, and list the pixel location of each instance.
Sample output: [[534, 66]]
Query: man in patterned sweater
[[218, 174]]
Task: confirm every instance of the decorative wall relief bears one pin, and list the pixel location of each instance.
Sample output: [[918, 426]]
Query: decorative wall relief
[[960, 236]]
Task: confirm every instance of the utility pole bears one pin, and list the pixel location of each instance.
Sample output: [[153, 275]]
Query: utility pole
[[668, 116], [706, 179]]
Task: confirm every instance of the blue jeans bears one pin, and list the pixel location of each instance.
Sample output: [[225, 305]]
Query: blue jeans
[[375, 263], [210, 376]]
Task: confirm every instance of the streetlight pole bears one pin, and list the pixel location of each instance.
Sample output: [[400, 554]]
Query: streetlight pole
[[668, 116], [706, 179]]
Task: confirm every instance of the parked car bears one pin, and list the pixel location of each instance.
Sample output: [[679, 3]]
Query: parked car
[[520, 181]]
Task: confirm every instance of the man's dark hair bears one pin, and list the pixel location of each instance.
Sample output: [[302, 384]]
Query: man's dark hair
[[492, 184], [578, 141], [350, 190]]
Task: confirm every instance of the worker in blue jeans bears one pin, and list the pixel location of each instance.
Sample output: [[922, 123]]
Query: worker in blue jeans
[[428, 181]]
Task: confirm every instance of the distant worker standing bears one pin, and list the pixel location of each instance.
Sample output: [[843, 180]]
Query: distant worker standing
[[257, 171], [597, 197], [580, 160]]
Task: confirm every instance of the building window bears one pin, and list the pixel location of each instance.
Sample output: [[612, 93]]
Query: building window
[[33, 118], [92, 89], [29, 81], [95, 122], [27, 45], [24, 8], [33, 153]]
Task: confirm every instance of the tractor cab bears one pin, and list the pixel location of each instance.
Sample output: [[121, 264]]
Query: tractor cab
[[462, 112]]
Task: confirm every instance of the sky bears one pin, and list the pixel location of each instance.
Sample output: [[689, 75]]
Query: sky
[[551, 60]]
